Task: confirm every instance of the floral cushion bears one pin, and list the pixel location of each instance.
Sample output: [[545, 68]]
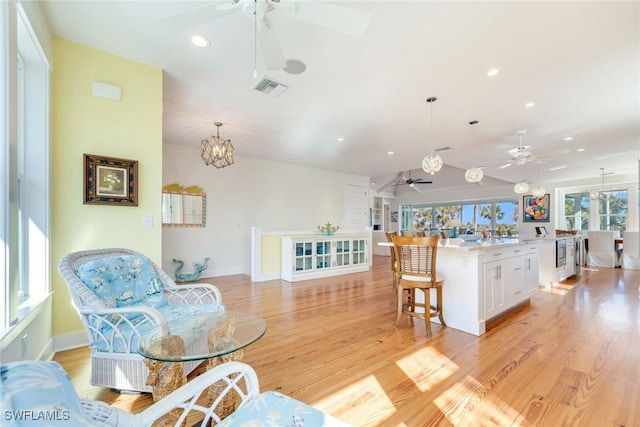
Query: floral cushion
[[275, 409], [123, 281], [39, 394], [190, 321]]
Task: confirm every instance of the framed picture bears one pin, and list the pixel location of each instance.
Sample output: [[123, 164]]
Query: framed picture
[[394, 216], [110, 181], [536, 209]]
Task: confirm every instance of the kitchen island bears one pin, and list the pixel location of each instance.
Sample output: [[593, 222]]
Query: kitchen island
[[484, 279]]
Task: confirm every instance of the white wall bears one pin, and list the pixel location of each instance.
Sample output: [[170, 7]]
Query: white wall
[[250, 193]]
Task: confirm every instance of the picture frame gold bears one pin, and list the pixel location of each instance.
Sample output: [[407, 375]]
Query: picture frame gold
[[110, 181]]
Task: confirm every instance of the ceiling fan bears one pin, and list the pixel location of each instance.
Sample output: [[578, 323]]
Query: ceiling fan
[[402, 179], [333, 17], [522, 154]]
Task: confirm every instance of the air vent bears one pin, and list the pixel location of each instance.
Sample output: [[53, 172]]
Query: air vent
[[444, 149], [270, 87]]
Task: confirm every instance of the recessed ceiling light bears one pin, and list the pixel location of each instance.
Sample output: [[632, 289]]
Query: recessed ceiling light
[[529, 104], [493, 72], [569, 138], [200, 41], [581, 149], [391, 153], [340, 139]]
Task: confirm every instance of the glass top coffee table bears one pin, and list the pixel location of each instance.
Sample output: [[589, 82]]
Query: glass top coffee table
[[221, 337], [225, 334]]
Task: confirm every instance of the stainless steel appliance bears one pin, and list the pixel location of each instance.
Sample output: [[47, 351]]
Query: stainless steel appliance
[[561, 252], [581, 254]]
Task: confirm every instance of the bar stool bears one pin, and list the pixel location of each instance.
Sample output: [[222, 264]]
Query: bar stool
[[416, 269]]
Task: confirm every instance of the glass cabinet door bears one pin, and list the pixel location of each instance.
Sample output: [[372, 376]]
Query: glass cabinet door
[[342, 252], [304, 256], [359, 252], [323, 254]]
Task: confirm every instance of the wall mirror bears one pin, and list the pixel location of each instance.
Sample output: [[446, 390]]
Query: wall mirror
[[183, 206]]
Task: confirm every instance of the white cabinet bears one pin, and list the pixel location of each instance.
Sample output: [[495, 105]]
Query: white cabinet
[[314, 257], [550, 273], [531, 273], [509, 277], [494, 293]]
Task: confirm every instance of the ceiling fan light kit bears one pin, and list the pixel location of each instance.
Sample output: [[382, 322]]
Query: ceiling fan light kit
[[216, 150], [433, 162]]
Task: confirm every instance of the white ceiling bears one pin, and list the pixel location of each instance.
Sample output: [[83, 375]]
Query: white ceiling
[[578, 61]]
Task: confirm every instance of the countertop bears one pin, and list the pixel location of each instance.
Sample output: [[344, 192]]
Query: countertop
[[493, 242]]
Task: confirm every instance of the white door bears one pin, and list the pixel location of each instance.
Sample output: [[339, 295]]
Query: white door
[[355, 207]]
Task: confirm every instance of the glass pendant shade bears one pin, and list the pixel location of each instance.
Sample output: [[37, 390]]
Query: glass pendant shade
[[538, 192], [474, 174], [217, 151], [521, 187], [594, 194], [432, 163]]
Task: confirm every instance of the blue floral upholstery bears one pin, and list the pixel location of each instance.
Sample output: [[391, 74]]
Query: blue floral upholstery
[[275, 409], [39, 394], [123, 281]]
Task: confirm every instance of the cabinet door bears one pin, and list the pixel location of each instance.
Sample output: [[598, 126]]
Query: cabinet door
[[323, 254], [531, 273], [515, 281], [343, 253], [303, 258], [358, 252], [493, 289]]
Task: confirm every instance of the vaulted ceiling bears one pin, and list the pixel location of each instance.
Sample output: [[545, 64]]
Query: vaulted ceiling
[[370, 65]]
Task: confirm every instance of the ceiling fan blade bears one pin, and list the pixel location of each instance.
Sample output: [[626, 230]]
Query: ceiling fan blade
[[194, 17], [271, 50], [346, 20], [415, 188]]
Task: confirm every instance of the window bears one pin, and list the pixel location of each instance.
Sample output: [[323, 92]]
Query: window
[[613, 211], [24, 170], [576, 211], [499, 216]]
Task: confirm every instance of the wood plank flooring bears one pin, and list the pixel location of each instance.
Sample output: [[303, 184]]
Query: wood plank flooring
[[571, 357]]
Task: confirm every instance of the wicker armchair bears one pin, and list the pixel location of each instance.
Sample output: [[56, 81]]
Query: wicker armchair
[[114, 327], [36, 393]]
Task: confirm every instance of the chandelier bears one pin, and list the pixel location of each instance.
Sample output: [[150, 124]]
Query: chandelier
[[474, 174], [602, 195], [432, 163], [217, 151]]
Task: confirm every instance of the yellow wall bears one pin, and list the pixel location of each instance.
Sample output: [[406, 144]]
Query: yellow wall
[[82, 123]]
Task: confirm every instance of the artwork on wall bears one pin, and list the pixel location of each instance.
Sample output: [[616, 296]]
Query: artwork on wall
[[536, 209], [110, 181], [394, 216]]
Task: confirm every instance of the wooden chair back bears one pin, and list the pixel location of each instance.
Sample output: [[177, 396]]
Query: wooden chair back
[[416, 257]]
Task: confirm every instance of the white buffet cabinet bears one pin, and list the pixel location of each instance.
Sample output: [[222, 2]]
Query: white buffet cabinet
[[484, 280], [306, 258]]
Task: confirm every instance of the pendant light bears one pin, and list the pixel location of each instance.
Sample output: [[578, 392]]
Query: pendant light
[[474, 174], [432, 163], [539, 191], [603, 195], [522, 187]]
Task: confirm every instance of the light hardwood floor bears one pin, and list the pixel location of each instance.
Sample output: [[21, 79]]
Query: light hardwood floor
[[572, 357]]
